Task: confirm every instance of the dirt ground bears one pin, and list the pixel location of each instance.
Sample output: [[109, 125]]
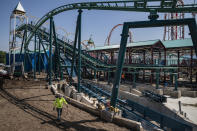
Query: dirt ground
[[27, 105]]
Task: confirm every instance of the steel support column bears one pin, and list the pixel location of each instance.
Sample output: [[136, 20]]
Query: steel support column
[[79, 53], [171, 77], [175, 82], [56, 54], [120, 62], [35, 57], [108, 77], [74, 50], [50, 51], [39, 57]]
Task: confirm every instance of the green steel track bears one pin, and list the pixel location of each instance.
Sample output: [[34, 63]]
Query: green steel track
[[160, 6], [87, 60]]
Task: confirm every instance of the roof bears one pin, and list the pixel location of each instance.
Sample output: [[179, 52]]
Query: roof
[[167, 44], [178, 43], [19, 8], [134, 44]]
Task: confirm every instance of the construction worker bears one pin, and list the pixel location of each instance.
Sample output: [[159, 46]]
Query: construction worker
[[122, 78], [58, 103]]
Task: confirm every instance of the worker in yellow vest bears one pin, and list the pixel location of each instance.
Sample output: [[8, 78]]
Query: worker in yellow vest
[[58, 103]]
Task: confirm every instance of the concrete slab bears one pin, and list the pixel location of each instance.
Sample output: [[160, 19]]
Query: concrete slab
[[107, 115], [87, 101], [189, 106], [189, 93], [175, 94]]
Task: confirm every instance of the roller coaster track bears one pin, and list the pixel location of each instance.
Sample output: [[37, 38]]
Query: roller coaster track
[[87, 60], [131, 5]]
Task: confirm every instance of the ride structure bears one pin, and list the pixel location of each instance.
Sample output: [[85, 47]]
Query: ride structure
[[107, 41], [164, 6], [36, 39], [17, 18]]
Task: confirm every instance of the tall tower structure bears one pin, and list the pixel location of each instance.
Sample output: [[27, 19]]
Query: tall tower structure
[[17, 18]]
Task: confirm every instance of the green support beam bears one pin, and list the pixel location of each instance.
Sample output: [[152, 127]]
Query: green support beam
[[79, 53], [121, 56], [50, 51], [175, 81], [39, 57], [35, 58], [129, 5], [56, 54], [108, 77], [74, 50]]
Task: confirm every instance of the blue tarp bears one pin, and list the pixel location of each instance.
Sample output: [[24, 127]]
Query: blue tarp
[[29, 64]]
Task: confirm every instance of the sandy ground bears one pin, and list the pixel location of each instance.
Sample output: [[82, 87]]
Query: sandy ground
[[189, 106], [27, 105]]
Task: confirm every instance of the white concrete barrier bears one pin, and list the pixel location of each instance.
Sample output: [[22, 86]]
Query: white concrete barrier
[[93, 110], [135, 126], [159, 107]]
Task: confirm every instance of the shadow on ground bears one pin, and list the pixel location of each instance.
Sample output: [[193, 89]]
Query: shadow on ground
[[46, 117]]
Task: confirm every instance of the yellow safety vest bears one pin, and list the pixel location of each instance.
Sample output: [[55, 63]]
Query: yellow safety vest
[[59, 102]]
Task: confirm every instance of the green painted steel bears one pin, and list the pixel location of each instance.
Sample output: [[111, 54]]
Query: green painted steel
[[86, 59], [121, 56], [175, 81], [132, 5], [74, 50], [144, 24], [79, 53], [39, 56], [108, 77], [191, 22], [50, 51], [193, 32], [56, 56], [35, 57]]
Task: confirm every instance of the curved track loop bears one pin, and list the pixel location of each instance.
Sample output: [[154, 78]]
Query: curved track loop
[[132, 5]]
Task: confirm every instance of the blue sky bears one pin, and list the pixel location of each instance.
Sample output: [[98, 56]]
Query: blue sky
[[95, 22]]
